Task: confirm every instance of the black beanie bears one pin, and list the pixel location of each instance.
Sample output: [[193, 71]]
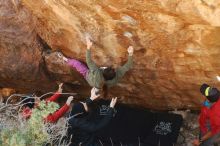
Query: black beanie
[[77, 108], [203, 88], [28, 101], [214, 95]]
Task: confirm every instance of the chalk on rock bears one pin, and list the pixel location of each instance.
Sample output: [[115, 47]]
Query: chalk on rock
[[88, 35], [129, 19], [85, 35], [128, 34], [218, 78]]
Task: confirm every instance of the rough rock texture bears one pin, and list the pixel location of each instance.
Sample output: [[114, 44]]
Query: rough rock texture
[[4, 93], [21, 55], [176, 46], [190, 128]]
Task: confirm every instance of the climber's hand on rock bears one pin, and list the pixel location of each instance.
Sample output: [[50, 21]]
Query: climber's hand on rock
[[130, 50], [88, 43]]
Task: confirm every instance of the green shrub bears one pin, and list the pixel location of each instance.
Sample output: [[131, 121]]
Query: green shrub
[[32, 132]]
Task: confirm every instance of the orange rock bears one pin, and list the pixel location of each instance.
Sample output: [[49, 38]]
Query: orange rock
[[176, 46], [7, 91]]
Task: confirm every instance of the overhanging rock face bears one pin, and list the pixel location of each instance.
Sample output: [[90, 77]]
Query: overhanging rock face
[[177, 45]]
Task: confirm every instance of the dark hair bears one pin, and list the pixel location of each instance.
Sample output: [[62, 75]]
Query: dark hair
[[214, 95], [203, 88], [109, 73], [28, 101], [78, 111], [77, 108]]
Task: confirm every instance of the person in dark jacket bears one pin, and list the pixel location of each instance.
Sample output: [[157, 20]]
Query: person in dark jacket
[[99, 76], [83, 126]]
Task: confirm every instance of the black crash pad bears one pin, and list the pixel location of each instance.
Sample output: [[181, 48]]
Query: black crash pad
[[135, 126]]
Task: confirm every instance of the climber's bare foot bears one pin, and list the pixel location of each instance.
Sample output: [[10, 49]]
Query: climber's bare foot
[[61, 56]]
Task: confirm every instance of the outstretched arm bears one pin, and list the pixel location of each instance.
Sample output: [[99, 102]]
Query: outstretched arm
[[54, 97], [52, 118], [89, 101], [90, 63], [59, 113], [128, 65], [57, 94]]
